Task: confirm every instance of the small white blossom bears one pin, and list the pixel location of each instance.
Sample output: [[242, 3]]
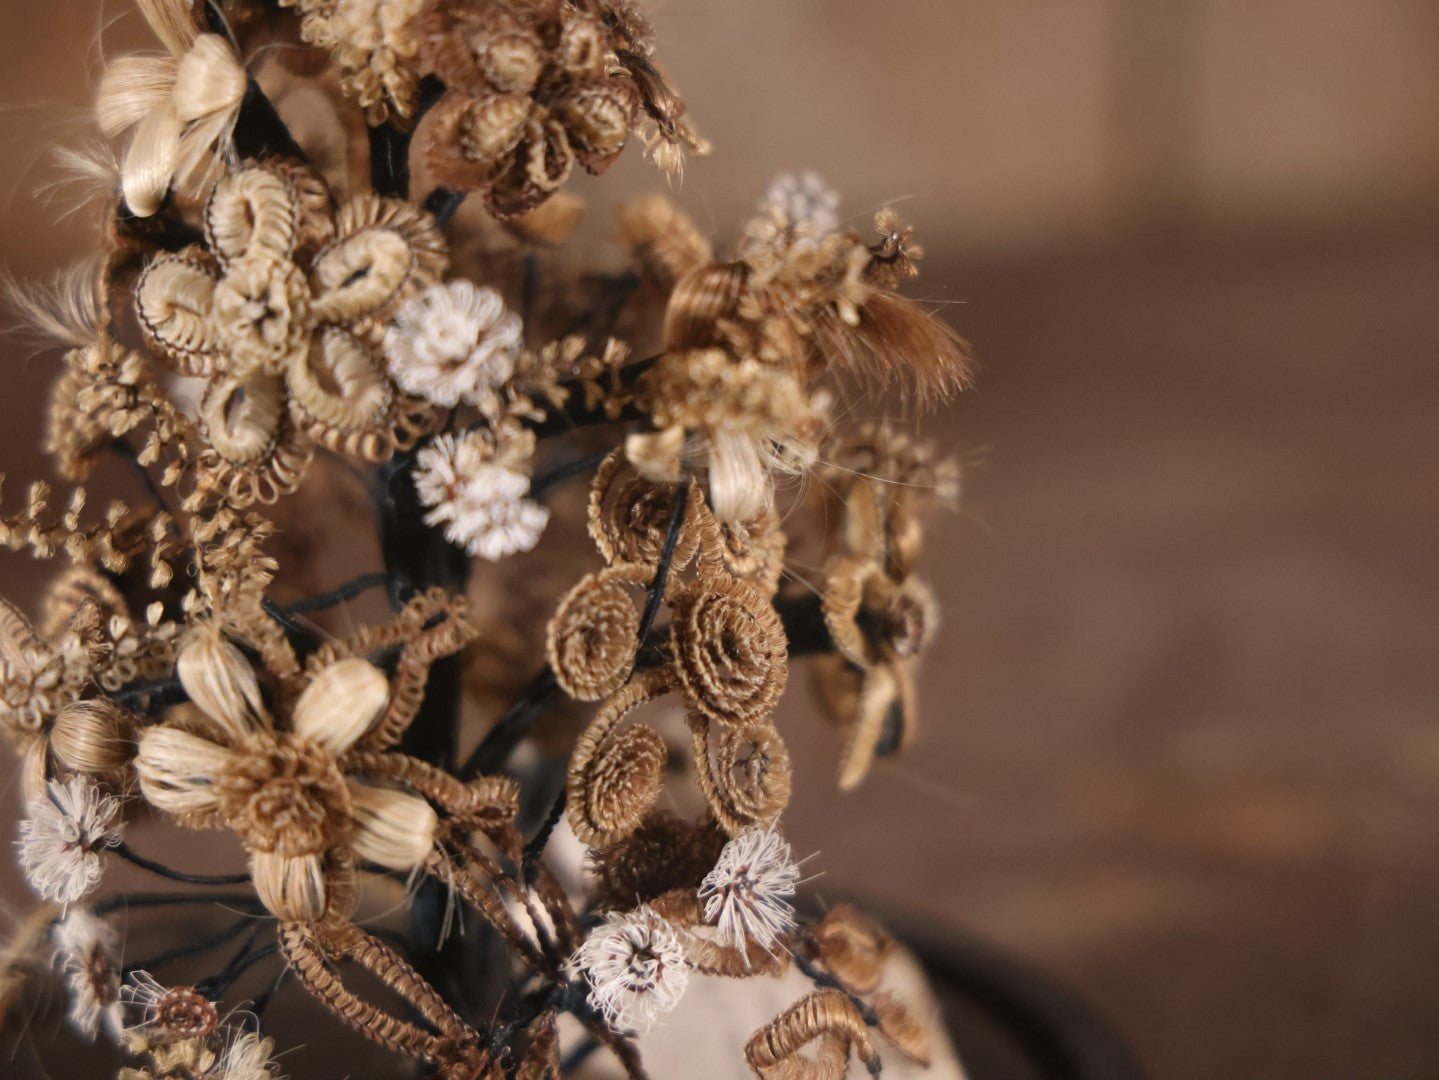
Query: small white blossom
[[805, 201], [453, 342], [480, 504], [62, 843], [87, 950], [747, 894], [247, 1057], [635, 965]]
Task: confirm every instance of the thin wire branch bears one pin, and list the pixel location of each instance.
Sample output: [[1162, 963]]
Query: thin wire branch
[[667, 553], [176, 899], [541, 484], [181, 951], [494, 749], [125, 852], [348, 591], [535, 849]]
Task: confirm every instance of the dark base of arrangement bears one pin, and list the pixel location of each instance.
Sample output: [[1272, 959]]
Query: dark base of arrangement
[[1007, 1021]]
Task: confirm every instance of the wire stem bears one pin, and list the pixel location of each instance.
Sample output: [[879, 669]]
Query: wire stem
[[124, 851]]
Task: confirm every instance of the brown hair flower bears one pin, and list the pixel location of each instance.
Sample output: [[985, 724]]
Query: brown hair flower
[[284, 312], [283, 788]]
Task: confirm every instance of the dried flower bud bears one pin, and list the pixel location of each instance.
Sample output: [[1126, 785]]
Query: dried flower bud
[[663, 854], [635, 965], [219, 679], [341, 703], [852, 947], [392, 828], [747, 894], [663, 237], [292, 887], [905, 1031], [93, 736], [64, 839]]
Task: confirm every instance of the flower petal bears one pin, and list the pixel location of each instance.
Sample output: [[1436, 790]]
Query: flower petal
[[173, 299], [252, 213], [392, 828], [291, 886], [219, 679], [177, 771], [341, 703]]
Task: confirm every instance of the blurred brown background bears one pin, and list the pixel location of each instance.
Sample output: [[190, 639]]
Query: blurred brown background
[[1180, 747]]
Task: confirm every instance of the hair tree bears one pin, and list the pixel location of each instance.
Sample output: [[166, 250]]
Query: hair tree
[[281, 327]]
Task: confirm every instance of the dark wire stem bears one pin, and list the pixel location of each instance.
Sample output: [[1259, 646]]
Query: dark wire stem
[[215, 986], [262, 1002], [541, 484], [301, 638], [656, 593], [442, 203], [417, 557], [530, 286], [826, 981], [149, 696], [194, 948], [259, 132], [804, 627], [535, 849], [579, 1055], [616, 294], [123, 850], [125, 901], [495, 748], [126, 451], [347, 591]]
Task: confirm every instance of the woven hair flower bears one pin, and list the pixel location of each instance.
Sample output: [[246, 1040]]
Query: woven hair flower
[[64, 839], [87, 951], [535, 88], [283, 311], [453, 342], [474, 484], [280, 783], [635, 966], [747, 894], [804, 202], [879, 613], [167, 1014], [182, 107]]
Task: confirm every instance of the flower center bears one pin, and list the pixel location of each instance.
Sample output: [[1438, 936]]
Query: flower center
[[287, 797]]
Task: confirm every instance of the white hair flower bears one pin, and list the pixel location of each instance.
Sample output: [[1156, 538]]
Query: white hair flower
[[62, 843], [453, 342], [635, 965], [87, 951], [479, 502], [804, 201], [747, 894], [246, 1057]]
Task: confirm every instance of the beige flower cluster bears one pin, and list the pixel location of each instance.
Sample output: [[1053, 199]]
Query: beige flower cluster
[[302, 354]]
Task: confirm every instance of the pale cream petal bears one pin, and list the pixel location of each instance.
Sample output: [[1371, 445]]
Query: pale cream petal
[[291, 886], [219, 680], [392, 828], [177, 771], [341, 703]]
